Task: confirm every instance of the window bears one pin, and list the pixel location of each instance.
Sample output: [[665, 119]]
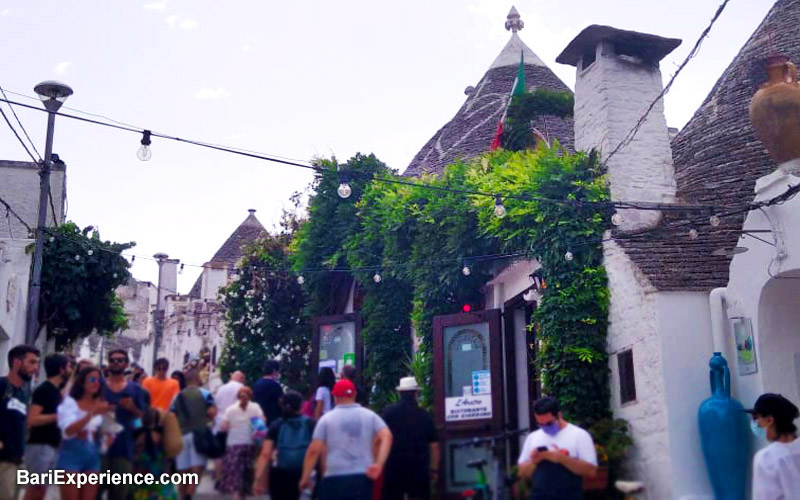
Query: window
[[627, 379]]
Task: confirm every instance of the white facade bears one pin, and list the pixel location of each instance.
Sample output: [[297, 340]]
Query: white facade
[[19, 187], [15, 265]]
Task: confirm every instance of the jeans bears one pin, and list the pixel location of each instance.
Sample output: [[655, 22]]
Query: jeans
[[78, 455], [349, 487]]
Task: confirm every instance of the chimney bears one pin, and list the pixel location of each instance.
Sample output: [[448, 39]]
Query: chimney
[[169, 279], [215, 276], [618, 78]]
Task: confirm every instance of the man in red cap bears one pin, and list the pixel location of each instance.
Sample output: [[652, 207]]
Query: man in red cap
[[346, 435]]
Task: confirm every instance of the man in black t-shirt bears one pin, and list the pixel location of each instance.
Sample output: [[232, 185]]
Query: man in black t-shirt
[[414, 460], [23, 363], [45, 436], [268, 391]]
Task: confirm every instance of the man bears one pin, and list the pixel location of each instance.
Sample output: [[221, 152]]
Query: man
[[351, 373], [776, 468], [129, 400], [414, 460], [346, 435], [557, 456], [161, 388], [23, 364], [268, 391], [227, 395], [45, 436], [194, 407]]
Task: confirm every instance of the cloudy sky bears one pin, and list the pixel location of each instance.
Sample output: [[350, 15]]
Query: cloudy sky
[[295, 79]]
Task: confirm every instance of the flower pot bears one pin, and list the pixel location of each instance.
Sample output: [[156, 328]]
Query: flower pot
[[775, 110], [599, 481]]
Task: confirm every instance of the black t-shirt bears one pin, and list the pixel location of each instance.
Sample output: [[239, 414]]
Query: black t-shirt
[[413, 430], [13, 417], [48, 397], [266, 393]]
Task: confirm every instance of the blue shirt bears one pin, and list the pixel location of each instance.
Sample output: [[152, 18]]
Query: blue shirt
[[124, 445]]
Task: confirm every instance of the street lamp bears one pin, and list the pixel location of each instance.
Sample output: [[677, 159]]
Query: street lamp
[[53, 94], [158, 323]]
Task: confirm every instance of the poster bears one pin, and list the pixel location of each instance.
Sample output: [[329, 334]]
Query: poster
[[349, 358], [745, 346], [463, 408]]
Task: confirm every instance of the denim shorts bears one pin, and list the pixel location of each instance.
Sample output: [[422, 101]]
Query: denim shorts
[[78, 455]]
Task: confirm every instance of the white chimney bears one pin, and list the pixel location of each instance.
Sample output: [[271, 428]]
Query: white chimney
[[169, 279], [215, 276], [618, 78]]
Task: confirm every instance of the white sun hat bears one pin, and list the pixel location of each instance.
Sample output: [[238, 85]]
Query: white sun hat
[[408, 384]]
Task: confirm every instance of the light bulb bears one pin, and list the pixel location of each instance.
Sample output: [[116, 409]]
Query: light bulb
[[115, 275], [344, 190], [377, 278], [77, 257], [300, 280], [144, 153], [693, 234], [466, 271], [714, 221], [616, 219], [499, 209], [52, 239], [569, 256], [90, 253]]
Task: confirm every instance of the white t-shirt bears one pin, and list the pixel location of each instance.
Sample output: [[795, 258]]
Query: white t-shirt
[[324, 394], [776, 472], [68, 412], [226, 396], [239, 426], [572, 438]]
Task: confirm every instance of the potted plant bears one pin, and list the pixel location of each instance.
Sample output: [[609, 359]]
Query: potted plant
[[612, 440]]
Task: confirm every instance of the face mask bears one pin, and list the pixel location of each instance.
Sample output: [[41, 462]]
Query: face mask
[[551, 429], [759, 431]]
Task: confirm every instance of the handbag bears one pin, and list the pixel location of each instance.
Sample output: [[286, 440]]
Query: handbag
[[206, 442]]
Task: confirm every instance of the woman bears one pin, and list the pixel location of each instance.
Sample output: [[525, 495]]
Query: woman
[[83, 363], [282, 480], [180, 377], [776, 468], [237, 464], [79, 418], [323, 397], [151, 457]]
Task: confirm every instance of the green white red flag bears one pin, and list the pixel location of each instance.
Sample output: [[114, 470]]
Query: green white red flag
[[517, 89]]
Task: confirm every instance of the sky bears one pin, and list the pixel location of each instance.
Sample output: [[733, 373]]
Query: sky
[[293, 79]]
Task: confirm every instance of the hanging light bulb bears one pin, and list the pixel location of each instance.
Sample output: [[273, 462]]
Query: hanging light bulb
[[52, 239], [115, 275], [90, 253], [180, 271], [693, 234], [300, 280], [616, 219], [466, 271], [499, 209], [344, 190], [77, 257], [714, 220], [133, 259], [144, 152], [568, 256], [377, 277]]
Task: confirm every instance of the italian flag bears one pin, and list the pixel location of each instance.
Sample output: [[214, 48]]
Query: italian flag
[[517, 89]]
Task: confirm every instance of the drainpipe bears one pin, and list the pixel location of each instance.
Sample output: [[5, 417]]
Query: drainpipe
[[719, 319]]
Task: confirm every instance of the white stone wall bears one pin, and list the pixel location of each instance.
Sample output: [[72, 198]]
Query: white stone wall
[[19, 187], [189, 326], [633, 324], [15, 267], [611, 95]]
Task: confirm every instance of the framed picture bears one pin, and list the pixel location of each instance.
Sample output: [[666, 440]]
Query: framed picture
[[745, 346], [336, 343]]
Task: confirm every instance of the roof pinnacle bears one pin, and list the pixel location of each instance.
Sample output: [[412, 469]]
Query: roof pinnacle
[[513, 21]]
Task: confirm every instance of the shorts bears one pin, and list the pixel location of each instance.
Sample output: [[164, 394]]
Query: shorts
[[78, 455], [8, 480], [40, 458], [347, 487], [189, 456]]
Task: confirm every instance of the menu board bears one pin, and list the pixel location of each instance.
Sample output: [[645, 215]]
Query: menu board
[[337, 345]]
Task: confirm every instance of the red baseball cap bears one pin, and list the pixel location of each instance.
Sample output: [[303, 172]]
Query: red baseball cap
[[344, 389]]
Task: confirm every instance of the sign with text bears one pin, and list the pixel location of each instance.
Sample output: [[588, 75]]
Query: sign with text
[[467, 408]]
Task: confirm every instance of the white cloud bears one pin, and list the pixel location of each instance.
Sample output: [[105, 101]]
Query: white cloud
[[61, 67], [155, 6], [188, 24], [207, 93], [247, 47], [171, 19]]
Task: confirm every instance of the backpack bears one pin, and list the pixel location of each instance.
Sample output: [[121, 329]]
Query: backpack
[[294, 437]]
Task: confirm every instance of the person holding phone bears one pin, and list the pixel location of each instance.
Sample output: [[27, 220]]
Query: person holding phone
[[557, 456]]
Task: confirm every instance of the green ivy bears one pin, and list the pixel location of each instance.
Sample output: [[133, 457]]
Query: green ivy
[[530, 106]]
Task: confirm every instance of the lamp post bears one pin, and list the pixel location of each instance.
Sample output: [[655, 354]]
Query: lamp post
[[158, 322], [53, 94]]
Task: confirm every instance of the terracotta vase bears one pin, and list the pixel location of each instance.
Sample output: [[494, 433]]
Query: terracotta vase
[[775, 110]]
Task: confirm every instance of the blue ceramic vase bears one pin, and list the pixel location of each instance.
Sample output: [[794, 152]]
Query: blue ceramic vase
[[724, 434]]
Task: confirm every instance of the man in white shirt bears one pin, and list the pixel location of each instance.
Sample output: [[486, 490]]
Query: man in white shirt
[[557, 456], [776, 468]]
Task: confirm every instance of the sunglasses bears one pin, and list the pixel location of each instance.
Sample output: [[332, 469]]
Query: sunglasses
[[117, 360], [92, 379]]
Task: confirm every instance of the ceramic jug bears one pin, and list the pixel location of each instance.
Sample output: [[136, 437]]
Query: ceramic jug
[[775, 110], [724, 432]]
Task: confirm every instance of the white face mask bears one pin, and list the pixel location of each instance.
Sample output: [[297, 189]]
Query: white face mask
[[758, 431]]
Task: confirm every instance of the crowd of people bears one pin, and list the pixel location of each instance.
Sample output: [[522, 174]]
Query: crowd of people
[[264, 439]]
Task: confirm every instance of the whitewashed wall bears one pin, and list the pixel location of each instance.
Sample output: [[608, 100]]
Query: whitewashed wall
[[19, 186], [15, 267]]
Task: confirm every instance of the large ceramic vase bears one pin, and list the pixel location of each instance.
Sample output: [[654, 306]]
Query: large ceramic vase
[[724, 433], [775, 110]]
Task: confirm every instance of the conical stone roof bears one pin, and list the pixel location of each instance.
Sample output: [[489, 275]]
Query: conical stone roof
[[470, 131], [717, 161], [231, 251]]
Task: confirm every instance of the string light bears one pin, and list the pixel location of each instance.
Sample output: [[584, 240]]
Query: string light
[[77, 257], [693, 234], [616, 219], [714, 220], [344, 190], [52, 239], [377, 277], [90, 253], [466, 271], [499, 209], [180, 271], [300, 280], [568, 256], [133, 259], [144, 152]]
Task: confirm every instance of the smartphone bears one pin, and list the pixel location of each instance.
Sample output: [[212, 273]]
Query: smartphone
[[541, 448]]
